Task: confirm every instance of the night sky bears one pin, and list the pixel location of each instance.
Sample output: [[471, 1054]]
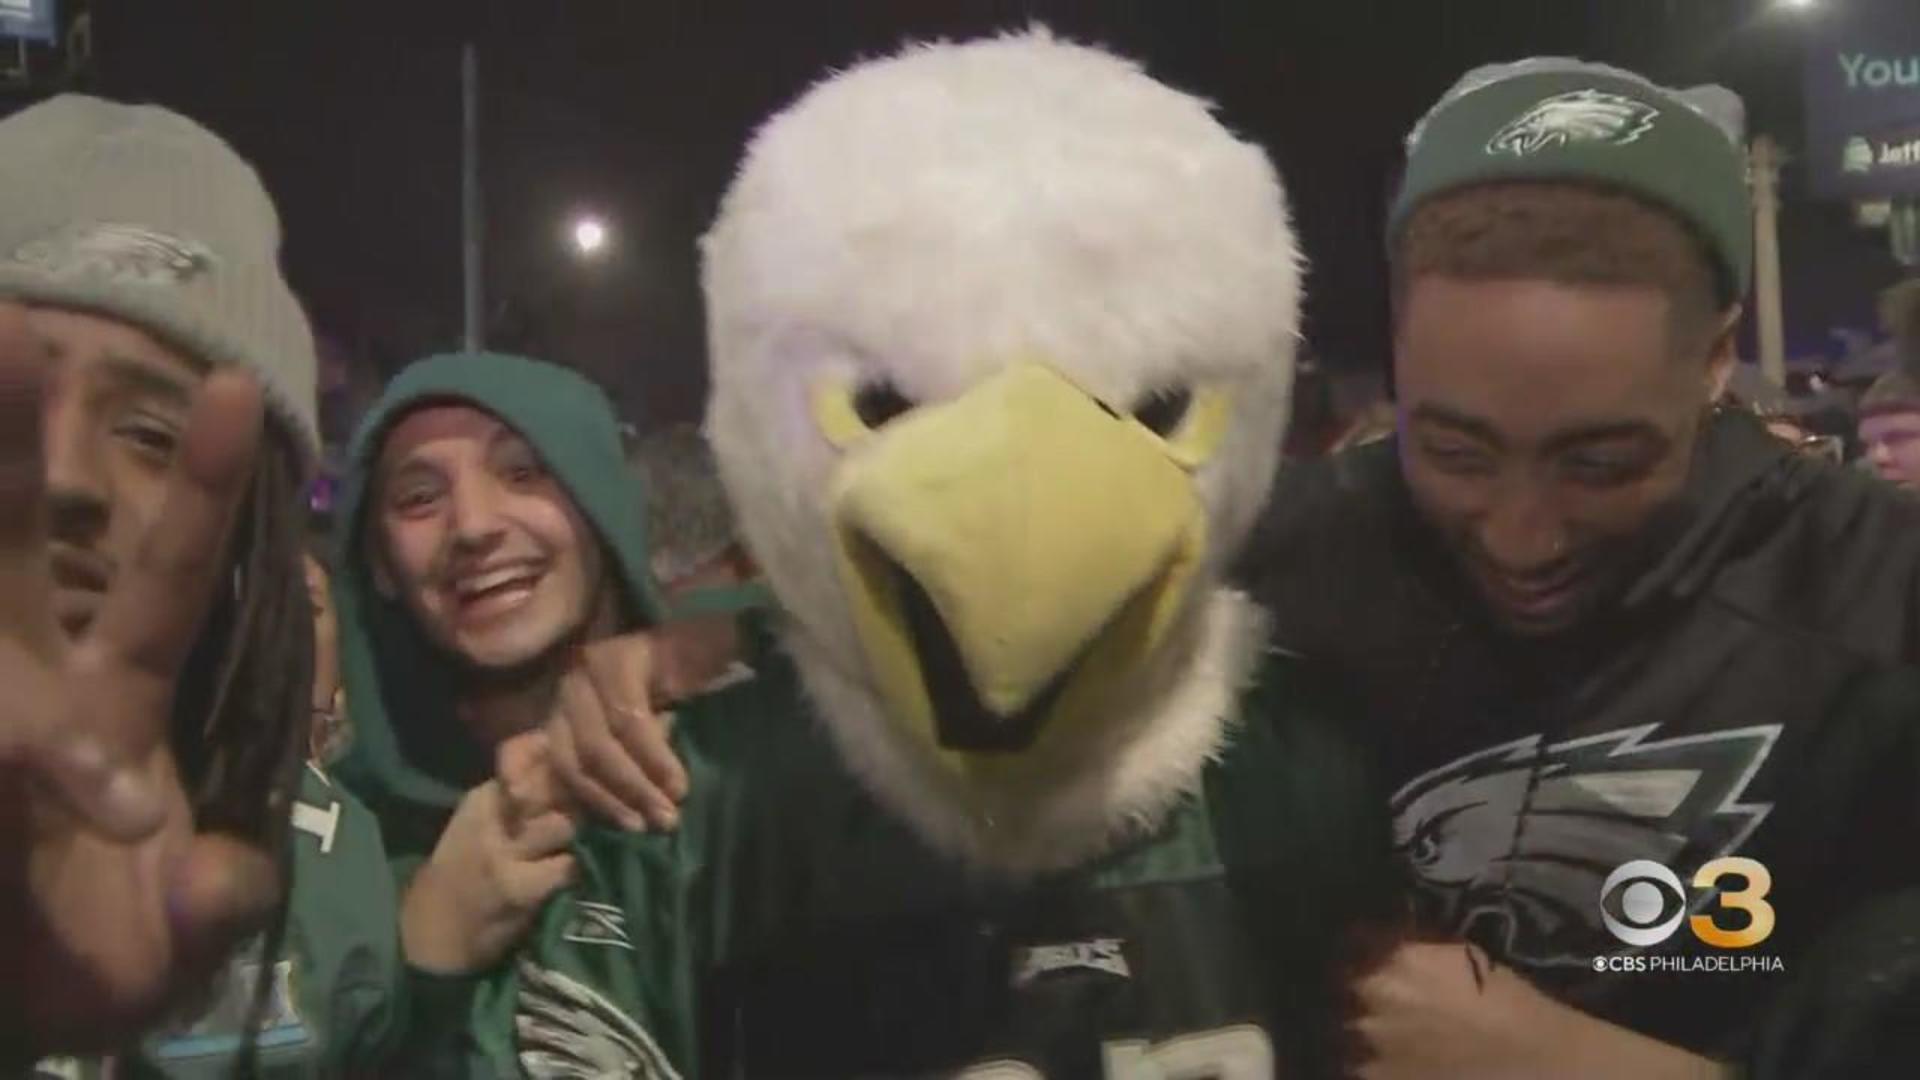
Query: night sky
[[637, 109]]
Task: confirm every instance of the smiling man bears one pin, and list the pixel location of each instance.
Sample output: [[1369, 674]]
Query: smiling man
[[1592, 617], [493, 561]]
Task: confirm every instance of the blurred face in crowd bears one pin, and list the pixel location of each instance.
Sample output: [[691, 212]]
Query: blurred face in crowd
[[326, 737], [1542, 426], [326, 632], [116, 409], [481, 542], [692, 651], [1892, 441]]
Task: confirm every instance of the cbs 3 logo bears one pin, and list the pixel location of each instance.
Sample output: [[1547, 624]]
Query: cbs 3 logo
[[1643, 903]]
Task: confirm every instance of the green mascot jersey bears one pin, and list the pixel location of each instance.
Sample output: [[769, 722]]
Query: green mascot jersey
[[792, 927]]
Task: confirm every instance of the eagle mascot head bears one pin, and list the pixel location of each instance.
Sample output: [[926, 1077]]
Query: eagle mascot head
[[1002, 336]]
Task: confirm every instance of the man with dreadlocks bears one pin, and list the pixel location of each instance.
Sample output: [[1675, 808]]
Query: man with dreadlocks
[[157, 382]]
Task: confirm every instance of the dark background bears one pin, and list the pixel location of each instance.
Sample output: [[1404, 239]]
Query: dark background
[[637, 109]]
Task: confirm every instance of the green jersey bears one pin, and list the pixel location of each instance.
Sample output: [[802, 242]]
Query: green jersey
[[333, 992], [792, 926]]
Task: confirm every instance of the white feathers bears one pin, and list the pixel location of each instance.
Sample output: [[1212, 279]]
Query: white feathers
[[930, 218]]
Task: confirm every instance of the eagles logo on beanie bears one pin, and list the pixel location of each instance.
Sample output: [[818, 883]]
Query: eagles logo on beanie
[[139, 214], [1567, 120]]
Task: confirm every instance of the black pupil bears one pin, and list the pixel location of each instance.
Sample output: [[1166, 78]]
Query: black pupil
[[877, 403], [1162, 410]]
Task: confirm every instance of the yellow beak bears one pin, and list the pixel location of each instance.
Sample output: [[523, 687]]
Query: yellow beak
[[1006, 549]]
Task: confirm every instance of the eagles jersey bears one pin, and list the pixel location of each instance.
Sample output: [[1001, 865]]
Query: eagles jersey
[[332, 991], [793, 927]]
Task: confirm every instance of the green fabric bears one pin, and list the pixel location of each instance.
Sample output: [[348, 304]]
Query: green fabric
[[781, 854], [337, 987], [1627, 134], [410, 759]]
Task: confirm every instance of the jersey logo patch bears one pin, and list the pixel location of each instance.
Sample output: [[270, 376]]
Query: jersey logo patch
[[598, 924], [1098, 954], [565, 1030], [216, 1031], [1530, 890], [1582, 116]]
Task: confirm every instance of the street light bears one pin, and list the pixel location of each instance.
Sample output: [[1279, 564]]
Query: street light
[[589, 237], [1796, 3]]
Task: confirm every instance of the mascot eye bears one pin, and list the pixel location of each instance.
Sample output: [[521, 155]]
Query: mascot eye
[[877, 403], [1161, 411]]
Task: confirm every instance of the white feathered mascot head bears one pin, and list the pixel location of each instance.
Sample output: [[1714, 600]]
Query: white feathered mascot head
[[1002, 335]]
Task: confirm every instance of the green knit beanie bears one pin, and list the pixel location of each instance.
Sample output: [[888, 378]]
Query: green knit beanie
[[1558, 119]]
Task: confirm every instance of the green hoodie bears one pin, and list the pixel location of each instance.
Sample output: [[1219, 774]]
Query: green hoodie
[[410, 760]]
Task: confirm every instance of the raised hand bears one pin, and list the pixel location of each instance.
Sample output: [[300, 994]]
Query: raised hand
[[503, 853], [609, 745], [111, 903]]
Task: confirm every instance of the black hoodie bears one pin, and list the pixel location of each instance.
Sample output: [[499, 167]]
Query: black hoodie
[[1747, 695]]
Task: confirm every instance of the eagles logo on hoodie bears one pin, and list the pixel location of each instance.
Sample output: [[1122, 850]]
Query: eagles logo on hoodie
[[1511, 844]]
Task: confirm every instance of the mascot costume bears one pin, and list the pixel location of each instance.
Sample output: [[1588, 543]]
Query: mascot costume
[[1002, 338]]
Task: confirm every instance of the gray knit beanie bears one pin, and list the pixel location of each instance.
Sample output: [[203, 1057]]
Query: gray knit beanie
[[142, 215]]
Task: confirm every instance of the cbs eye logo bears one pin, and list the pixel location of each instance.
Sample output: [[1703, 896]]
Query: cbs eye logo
[[1643, 903]]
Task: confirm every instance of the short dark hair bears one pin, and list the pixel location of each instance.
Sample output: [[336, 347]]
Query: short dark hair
[[1565, 232]]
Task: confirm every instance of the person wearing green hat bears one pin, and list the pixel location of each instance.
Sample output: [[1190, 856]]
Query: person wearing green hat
[[1593, 620]]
